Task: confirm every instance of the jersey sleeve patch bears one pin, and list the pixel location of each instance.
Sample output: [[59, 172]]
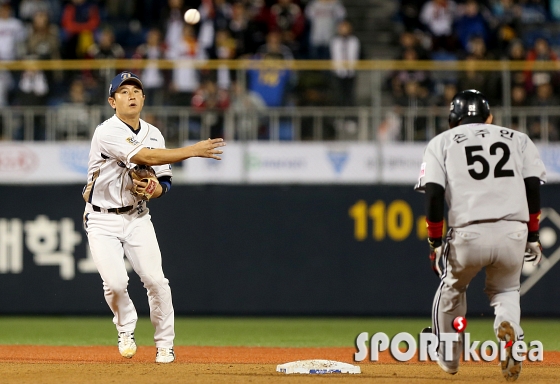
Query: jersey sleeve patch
[[132, 141]]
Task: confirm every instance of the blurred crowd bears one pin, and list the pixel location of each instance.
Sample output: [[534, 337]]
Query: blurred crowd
[[273, 30], [155, 29], [474, 30]]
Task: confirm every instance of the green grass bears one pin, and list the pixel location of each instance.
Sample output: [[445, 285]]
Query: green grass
[[217, 331]]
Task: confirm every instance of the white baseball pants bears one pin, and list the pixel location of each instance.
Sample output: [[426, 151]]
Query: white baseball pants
[[112, 236], [497, 246]]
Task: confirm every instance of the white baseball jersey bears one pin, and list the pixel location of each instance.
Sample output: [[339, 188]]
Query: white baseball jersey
[[113, 144], [482, 167]]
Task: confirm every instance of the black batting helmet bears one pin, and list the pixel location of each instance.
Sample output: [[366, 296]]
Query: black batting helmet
[[468, 106]]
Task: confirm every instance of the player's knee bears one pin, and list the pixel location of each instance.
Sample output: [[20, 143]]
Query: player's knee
[[116, 287]]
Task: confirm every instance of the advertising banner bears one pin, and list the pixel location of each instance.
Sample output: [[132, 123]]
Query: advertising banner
[[254, 250], [36, 163], [550, 155], [247, 163], [228, 170], [401, 162], [309, 163]]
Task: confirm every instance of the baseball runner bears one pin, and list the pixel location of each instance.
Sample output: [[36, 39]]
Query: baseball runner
[[490, 177], [128, 165]]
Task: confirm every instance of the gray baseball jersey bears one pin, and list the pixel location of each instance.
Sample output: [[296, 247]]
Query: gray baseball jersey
[[482, 167]]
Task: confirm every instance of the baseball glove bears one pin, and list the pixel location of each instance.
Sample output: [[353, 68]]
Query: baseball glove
[[146, 174]]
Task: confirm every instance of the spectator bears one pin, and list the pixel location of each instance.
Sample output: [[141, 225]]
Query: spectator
[[507, 15], [213, 101], [209, 96], [152, 77], [80, 19], [484, 81], [287, 17], [345, 48], [258, 15], [477, 48], [207, 29], [544, 97], [225, 49], [185, 79], [400, 78], [247, 106], [12, 35], [223, 12], [73, 115], [173, 22], [43, 43], [516, 52], [274, 45], [518, 99], [240, 31], [33, 91], [415, 96], [487, 82], [472, 24], [270, 81], [106, 47], [28, 8], [438, 16], [541, 51], [409, 40], [324, 16], [449, 91], [518, 96]]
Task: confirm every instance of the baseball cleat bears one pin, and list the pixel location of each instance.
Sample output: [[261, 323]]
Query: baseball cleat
[[127, 344], [447, 369], [165, 355], [510, 367]]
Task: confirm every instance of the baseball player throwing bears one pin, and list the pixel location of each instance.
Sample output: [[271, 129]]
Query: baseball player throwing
[[490, 177], [116, 219]]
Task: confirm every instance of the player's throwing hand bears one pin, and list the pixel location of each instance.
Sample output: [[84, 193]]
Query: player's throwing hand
[[208, 148]]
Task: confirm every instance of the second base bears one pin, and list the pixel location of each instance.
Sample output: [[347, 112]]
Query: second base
[[317, 367]]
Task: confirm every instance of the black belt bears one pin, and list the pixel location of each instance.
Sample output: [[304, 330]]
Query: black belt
[[114, 210]]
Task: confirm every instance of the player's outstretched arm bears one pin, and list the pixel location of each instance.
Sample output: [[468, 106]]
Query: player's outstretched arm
[[207, 148]]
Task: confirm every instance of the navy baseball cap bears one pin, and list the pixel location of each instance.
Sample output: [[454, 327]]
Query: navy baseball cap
[[121, 78]]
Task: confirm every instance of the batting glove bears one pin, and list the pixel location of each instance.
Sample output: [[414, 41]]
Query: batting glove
[[533, 250], [435, 254]]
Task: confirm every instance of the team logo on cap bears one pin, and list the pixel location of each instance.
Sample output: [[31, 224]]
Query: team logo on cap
[[125, 75]]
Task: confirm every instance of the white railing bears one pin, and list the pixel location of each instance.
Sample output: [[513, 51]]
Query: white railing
[[297, 124]]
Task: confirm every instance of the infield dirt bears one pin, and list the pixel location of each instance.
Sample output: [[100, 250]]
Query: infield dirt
[[46, 364]]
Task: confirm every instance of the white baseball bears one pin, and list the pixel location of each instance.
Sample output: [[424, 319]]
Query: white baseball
[[192, 16]]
